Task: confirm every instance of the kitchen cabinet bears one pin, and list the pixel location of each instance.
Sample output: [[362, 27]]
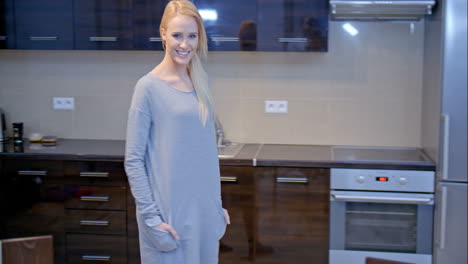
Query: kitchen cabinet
[[238, 195], [103, 24], [32, 202], [95, 211], [230, 25], [7, 29], [147, 16], [292, 25], [44, 24], [292, 215]]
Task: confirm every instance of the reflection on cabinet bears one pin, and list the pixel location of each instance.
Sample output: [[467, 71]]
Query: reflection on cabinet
[[44, 24], [103, 24], [34, 202], [146, 19], [292, 25], [230, 25]]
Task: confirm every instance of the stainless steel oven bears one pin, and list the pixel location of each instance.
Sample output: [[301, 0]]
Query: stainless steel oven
[[385, 214]]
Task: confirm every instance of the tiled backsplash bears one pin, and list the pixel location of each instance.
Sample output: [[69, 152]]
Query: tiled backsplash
[[366, 90]]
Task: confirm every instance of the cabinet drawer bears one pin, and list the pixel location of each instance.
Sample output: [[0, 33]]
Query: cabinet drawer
[[91, 197], [86, 172], [42, 168], [96, 249], [101, 222]]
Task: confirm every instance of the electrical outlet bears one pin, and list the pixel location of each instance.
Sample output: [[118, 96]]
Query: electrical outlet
[[276, 107], [64, 103]]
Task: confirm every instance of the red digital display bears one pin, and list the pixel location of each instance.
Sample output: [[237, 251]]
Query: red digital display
[[381, 179]]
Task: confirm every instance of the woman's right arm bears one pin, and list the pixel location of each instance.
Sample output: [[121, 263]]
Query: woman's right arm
[[138, 127]]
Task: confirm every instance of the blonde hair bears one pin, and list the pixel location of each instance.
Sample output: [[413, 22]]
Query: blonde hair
[[195, 68]]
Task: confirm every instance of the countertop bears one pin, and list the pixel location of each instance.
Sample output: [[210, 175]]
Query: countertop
[[274, 155]]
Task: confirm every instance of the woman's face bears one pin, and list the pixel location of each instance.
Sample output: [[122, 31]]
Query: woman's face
[[181, 37]]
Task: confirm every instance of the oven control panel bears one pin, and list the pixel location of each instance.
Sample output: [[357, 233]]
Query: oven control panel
[[382, 180]]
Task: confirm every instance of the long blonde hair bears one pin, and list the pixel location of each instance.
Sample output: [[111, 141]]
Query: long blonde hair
[[195, 68]]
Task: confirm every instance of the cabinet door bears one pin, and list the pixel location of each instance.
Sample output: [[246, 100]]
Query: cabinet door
[[7, 29], [34, 203], [237, 245], [146, 19], [230, 25], [103, 24], [44, 24], [292, 25], [293, 211]]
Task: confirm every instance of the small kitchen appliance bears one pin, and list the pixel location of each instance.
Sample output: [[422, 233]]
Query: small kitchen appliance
[[385, 214]]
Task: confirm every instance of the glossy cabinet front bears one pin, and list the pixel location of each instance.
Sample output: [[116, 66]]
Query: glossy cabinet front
[[44, 24], [292, 25], [146, 19], [32, 202], [103, 24], [7, 29]]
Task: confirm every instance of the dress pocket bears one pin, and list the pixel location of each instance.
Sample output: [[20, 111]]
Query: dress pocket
[[162, 240]]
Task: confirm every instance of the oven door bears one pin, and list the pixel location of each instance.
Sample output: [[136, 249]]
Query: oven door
[[396, 226]]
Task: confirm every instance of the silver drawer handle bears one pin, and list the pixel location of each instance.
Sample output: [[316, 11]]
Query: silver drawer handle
[[43, 38], [94, 223], [3, 37], [95, 258], [94, 174], [376, 199], [103, 39], [32, 173], [95, 198], [225, 39], [228, 179], [155, 39], [292, 180], [293, 40]]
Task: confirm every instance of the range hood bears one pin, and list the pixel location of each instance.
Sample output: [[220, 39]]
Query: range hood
[[380, 9]]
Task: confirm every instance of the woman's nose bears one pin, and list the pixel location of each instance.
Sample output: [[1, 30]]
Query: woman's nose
[[183, 44]]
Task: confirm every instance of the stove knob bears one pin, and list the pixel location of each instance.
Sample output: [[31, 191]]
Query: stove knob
[[403, 181], [360, 179]]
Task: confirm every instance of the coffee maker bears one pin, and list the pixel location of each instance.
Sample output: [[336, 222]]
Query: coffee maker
[[3, 127]]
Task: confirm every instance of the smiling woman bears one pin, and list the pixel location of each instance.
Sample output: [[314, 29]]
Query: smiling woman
[[171, 157]]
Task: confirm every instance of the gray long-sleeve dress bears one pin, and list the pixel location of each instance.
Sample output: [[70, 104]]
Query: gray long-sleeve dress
[[173, 169]]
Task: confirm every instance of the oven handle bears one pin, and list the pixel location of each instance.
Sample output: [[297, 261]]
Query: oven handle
[[377, 199]]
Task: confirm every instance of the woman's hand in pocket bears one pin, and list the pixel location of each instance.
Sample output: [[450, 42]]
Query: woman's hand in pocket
[[167, 228], [226, 216]]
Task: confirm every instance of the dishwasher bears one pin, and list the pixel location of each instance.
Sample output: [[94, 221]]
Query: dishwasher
[[385, 214]]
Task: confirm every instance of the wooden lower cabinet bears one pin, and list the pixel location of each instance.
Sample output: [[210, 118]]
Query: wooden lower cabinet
[[292, 215], [278, 214]]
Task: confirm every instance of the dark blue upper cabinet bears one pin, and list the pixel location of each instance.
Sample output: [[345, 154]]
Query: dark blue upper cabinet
[[146, 19], [292, 25], [103, 24], [7, 28], [44, 24], [230, 25]]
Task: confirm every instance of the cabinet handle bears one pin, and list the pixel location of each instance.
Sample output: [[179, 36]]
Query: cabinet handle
[[95, 258], [291, 180], [228, 179], [94, 174], [293, 40], [3, 37], [225, 39], [44, 38], [94, 198], [94, 223], [32, 173], [103, 39], [155, 39]]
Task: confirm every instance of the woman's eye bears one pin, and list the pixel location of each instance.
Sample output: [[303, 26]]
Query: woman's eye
[[176, 35], [193, 36]]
